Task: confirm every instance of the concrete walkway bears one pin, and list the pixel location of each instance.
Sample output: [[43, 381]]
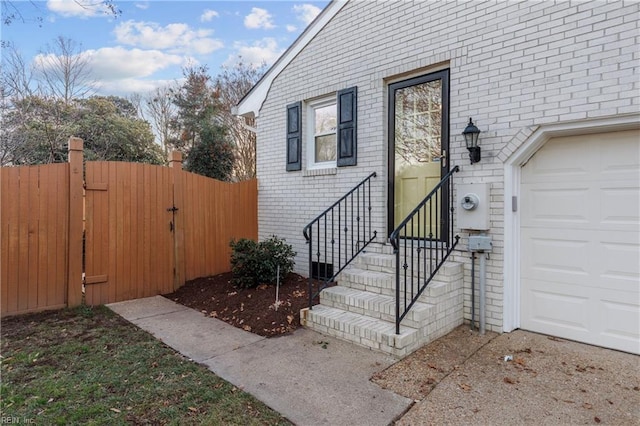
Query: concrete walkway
[[309, 378]]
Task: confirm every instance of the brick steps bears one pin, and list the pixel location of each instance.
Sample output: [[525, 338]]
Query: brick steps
[[361, 308]]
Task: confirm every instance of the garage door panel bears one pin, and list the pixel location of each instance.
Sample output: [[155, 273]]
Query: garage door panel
[[620, 205], [557, 205], [619, 265], [558, 162], [554, 306], [618, 319], [608, 319], [580, 240], [619, 155], [547, 258]]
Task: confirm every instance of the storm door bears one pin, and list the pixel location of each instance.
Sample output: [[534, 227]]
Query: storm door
[[418, 146]]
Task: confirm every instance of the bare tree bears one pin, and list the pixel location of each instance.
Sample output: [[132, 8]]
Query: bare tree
[[65, 70], [12, 10], [16, 77], [159, 111], [231, 86], [17, 92]]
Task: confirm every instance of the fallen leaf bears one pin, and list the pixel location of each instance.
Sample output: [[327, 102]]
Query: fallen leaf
[[233, 293], [194, 409], [465, 387], [587, 406], [509, 380], [246, 327], [290, 319], [596, 419], [213, 314], [115, 410]]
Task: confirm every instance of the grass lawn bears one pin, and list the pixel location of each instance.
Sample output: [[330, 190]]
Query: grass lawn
[[89, 366]]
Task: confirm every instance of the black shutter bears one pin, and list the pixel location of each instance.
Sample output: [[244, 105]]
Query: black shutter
[[347, 132], [294, 133]]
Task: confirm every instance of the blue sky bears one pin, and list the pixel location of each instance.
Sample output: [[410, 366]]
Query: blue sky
[[151, 41]]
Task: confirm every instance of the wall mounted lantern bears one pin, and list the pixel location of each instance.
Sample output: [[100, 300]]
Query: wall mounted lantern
[[471, 133]]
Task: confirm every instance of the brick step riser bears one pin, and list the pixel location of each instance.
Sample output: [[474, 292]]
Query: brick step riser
[[357, 331], [386, 285], [388, 267], [382, 310]]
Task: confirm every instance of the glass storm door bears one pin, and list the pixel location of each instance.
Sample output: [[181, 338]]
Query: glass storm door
[[418, 144]]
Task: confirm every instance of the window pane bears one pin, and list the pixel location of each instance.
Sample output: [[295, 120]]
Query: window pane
[[325, 119], [325, 148], [418, 123]]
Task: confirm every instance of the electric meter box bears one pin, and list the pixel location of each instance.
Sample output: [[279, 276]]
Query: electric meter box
[[473, 206]]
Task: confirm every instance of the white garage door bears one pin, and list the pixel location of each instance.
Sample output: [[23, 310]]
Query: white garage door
[[580, 240]]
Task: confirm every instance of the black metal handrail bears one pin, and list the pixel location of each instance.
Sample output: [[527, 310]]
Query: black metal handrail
[[427, 233], [341, 232]]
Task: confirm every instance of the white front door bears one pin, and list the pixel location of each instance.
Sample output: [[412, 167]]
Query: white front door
[[580, 240]]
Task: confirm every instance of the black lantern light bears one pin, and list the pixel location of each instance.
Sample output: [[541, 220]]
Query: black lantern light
[[471, 133]]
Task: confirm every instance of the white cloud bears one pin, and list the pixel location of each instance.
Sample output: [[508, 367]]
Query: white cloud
[[306, 12], [142, 5], [262, 51], [79, 8], [208, 15], [126, 86], [114, 63], [258, 18], [172, 37], [291, 28]]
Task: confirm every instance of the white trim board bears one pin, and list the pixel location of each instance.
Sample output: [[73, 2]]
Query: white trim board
[[512, 170]]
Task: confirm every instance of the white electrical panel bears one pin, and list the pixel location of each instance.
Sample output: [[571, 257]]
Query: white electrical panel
[[472, 206]]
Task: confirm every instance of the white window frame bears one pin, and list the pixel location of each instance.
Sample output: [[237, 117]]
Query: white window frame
[[311, 106]]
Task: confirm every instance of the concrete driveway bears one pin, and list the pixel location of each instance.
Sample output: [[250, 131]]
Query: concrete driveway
[[464, 378]]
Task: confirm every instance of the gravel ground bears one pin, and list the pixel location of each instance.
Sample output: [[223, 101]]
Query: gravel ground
[[463, 378]]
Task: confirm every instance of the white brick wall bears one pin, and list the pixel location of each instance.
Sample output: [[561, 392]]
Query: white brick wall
[[513, 66]]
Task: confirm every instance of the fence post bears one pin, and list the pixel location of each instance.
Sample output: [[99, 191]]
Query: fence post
[[175, 162], [76, 199]]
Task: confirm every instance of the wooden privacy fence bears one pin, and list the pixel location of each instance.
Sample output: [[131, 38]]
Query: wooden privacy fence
[[147, 229]]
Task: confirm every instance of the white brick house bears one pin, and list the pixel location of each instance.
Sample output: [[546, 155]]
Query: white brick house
[[554, 88]]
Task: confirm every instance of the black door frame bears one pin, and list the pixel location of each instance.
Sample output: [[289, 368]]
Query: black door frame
[[444, 167]]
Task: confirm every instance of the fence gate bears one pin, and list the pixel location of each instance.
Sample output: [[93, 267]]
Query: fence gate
[[129, 238]]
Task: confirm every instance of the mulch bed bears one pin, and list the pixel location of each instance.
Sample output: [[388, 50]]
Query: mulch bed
[[251, 309]]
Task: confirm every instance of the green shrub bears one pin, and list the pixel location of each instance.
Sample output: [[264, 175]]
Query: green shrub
[[255, 263]]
